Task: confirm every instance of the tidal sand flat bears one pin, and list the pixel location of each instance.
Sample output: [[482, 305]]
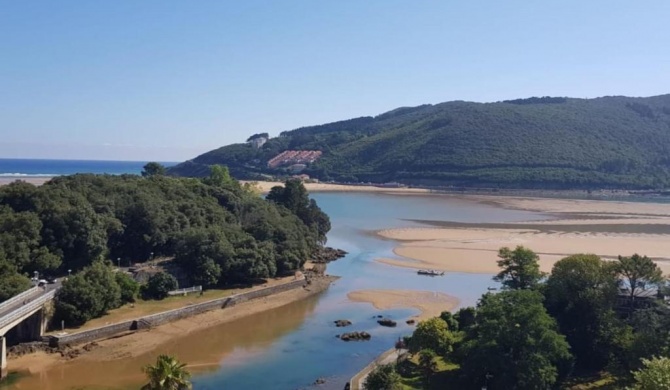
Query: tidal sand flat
[[430, 303], [605, 228]]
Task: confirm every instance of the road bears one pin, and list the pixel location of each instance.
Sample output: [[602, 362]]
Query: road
[[17, 305]]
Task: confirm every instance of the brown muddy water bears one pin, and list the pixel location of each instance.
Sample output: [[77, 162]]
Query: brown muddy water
[[203, 350]]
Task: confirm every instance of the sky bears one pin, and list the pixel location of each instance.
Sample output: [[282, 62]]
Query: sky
[[167, 80]]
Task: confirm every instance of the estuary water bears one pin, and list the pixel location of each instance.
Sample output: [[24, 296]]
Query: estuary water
[[290, 347]]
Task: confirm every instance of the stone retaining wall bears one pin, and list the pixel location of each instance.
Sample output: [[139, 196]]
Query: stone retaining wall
[[93, 334], [171, 315]]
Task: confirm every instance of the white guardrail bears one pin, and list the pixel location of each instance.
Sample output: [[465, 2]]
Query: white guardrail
[[183, 291], [18, 298], [27, 308]]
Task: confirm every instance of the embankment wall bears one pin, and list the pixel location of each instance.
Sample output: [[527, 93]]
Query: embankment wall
[[169, 316]]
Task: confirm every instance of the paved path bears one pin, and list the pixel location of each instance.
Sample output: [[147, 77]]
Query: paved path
[[390, 356]]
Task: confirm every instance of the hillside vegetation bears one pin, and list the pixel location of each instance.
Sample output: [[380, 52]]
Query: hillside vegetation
[[217, 230], [609, 142]]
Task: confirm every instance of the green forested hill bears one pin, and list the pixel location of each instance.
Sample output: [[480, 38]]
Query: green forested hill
[[615, 142]]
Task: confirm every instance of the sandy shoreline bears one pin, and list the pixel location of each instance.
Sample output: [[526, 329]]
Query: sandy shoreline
[[32, 180], [431, 304], [266, 186], [141, 342], [606, 228]]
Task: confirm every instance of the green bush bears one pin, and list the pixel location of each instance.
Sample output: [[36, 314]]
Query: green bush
[[158, 286]]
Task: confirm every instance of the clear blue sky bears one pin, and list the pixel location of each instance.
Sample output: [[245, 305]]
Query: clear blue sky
[[167, 80]]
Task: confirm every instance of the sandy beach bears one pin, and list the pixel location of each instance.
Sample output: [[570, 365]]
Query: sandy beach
[[431, 304], [606, 228], [265, 186], [32, 180]]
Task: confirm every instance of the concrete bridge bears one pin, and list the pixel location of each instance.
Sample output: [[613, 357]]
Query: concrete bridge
[[24, 314]]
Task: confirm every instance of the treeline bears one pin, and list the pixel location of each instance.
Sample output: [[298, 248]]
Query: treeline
[[219, 232], [542, 142], [586, 318]]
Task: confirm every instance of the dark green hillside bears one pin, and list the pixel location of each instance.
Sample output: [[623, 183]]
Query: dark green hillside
[[617, 142]]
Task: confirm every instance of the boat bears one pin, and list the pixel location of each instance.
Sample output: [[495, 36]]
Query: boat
[[430, 272]]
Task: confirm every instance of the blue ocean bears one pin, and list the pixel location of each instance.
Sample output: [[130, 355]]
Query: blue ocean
[[24, 168]]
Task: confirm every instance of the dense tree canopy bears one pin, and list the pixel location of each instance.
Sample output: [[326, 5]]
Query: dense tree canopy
[[655, 374], [383, 377], [554, 332], [542, 142], [88, 294], [219, 231], [581, 293], [153, 169], [433, 334], [515, 342]]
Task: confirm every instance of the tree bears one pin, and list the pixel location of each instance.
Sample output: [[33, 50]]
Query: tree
[[580, 293], [450, 319], [167, 374], [433, 334], [129, 287], [293, 195], [515, 343], [427, 363], [153, 169], [638, 273], [383, 377], [158, 286], [465, 317], [88, 294], [219, 175], [655, 374], [520, 268], [11, 283]]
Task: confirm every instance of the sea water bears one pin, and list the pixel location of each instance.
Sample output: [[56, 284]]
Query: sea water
[[25, 168]]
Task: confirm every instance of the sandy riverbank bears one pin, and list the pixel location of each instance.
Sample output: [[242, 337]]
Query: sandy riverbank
[[265, 186], [139, 343], [605, 228], [431, 304]]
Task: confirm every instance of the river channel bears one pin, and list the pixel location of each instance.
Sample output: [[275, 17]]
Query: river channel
[[291, 346]]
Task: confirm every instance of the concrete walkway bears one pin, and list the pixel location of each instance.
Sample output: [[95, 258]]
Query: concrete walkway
[[390, 356]]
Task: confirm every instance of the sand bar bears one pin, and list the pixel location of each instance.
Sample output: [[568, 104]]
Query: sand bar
[[431, 304], [475, 250]]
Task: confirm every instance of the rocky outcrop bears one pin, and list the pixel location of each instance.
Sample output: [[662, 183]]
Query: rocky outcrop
[[327, 254], [342, 323], [387, 322], [355, 336]]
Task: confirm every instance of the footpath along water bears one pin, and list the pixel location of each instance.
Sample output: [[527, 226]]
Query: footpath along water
[[290, 347]]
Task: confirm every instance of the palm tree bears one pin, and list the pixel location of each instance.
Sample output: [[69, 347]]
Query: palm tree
[[167, 374]]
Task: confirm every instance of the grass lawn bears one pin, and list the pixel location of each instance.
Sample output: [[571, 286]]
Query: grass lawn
[[598, 381], [412, 378]]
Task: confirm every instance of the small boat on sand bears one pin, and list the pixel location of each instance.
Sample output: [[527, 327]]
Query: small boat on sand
[[430, 272]]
